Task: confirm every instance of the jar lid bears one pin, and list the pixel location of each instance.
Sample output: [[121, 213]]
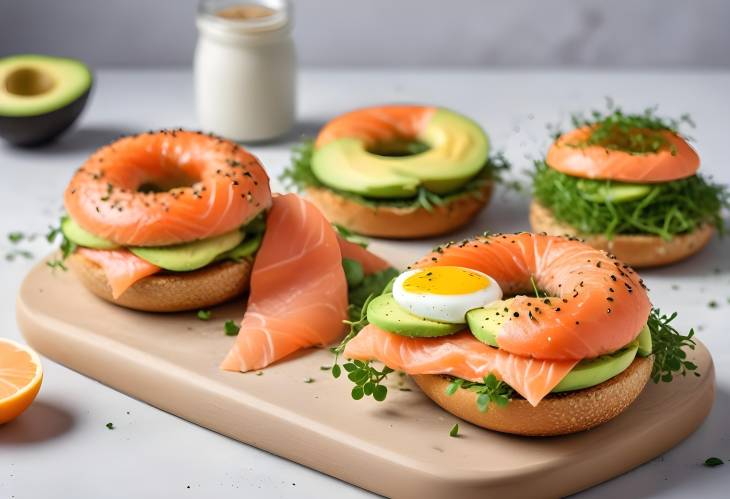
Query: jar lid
[[244, 16]]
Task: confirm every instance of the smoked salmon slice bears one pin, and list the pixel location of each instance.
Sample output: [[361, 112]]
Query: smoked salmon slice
[[167, 187], [298, 289], [374, 125], [121, 267], [460, 355], [678, 160], [595, 304]]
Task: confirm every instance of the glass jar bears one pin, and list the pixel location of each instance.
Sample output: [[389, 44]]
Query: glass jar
[[245, 69]]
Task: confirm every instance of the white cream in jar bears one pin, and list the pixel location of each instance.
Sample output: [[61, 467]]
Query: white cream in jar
[[245, 69]]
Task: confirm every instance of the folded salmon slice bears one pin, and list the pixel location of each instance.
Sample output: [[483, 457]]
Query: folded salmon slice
[[462, 356], [121, 267], [298, 289]]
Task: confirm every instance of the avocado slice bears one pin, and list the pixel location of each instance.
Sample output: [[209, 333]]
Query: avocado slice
[[189, 256], [484, 323], [458, 150], [645, 344], [40, 96], [81, 237], [385, 313], [245, 249], [591, 372], [600, 191]]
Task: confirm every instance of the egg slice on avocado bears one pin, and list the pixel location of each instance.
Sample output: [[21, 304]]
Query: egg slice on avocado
[[40, 97]]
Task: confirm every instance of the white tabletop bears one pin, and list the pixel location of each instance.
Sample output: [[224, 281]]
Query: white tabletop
[[61, 447]]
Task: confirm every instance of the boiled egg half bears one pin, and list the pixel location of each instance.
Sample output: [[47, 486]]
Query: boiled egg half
[[444, 293]]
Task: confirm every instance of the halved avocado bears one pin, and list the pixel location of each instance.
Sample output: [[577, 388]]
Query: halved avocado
[[80, 236], [385, 313], [40, 97], [457, 150], [189, 256]]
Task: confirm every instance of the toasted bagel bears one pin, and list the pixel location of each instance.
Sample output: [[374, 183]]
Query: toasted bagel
[[399, 222], [636, 250], [556, 414], [169, 292]]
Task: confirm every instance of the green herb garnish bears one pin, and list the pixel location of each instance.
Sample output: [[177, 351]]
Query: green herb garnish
[[711, 462], [299, 175], [670, 358], [356, 324], [231, 328], [13, 254], [15, 237], [371, 285], [110, 426], [634, 133], [454, 430], [350, 236], [367, 378], [204, 315], [67, 247], [669, 208], [490, 390]]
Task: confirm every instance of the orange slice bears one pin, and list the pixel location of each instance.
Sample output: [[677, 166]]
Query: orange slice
[[20, 378]]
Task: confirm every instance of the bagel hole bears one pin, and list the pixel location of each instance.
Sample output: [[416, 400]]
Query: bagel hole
[[29, 82], [180, 181], [399, 148]]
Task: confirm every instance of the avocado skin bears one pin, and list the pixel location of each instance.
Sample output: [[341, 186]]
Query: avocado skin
[[31, 131]]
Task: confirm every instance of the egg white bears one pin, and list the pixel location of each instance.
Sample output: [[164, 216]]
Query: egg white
[[451, 309]]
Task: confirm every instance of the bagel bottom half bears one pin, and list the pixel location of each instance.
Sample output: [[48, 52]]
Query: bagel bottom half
[[556, 414], [399, 222], [635, 250], [169, 292]]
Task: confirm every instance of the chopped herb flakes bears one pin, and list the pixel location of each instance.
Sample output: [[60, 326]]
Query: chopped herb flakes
[[454, 430], [15, 237], [204, 315], [110, 426], [634, 133], [231, 328], [711, 462]]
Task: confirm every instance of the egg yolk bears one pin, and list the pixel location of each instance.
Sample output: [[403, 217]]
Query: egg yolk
[[445, 280]]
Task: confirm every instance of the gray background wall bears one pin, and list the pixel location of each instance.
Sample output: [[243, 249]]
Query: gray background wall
[[602, 33]]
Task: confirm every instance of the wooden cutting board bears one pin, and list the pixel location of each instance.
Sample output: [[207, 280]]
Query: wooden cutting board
[[398, 448]]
